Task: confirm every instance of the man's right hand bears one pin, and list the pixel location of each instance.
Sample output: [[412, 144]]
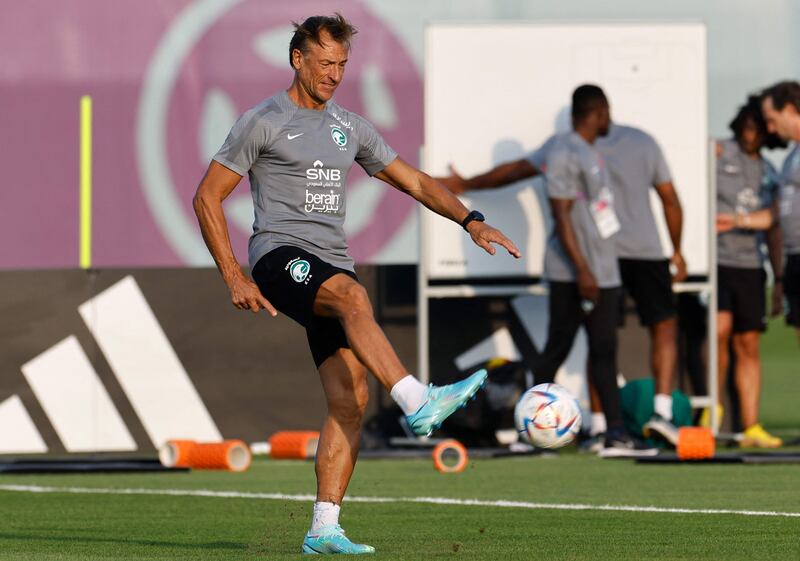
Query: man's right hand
[[587, 285], [245, 295], [678, 264]]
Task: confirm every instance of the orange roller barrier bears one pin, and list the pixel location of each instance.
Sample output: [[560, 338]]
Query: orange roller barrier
[[695, 443], [450, 446], [231, 455], [175, 453], [294, 445]]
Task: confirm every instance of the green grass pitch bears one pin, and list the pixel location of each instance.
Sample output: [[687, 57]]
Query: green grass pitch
[[68, 526]]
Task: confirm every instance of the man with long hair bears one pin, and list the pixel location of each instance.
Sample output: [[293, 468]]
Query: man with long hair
[[747, 186]]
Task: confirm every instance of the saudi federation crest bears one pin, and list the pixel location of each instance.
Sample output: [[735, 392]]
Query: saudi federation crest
[[338, 136], [299, 270]]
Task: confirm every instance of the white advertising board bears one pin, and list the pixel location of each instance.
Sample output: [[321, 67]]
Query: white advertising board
[[495, 92]]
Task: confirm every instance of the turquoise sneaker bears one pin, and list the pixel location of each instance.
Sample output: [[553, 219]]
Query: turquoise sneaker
[[331, 539], [442, 401]]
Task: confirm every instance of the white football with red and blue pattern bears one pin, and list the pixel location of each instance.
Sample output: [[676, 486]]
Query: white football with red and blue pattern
[[548, 416]]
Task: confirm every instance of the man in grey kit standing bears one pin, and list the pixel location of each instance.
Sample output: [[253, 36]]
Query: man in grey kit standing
[[781, 108], [747, 185], [581, 262], [297, 147], [636, 165]]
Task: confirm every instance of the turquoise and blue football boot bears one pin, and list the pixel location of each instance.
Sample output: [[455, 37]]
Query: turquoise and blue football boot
[[331, 539], [443, 401]]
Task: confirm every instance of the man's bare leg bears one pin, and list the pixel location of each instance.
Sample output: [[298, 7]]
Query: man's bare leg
[[724, 330], [748, 388], [344, 380], [345, 299], [748, 375], [664, 353]]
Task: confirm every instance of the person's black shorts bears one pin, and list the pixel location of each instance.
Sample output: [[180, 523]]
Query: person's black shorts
[[741, 292], [791, 289], [649, 283], [289, 277]]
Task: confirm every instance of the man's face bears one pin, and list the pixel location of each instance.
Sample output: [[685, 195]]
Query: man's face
[[321, 68], [750, 138], [602, 115], [780, 122]]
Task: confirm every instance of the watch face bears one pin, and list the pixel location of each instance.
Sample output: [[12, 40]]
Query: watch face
[[473, 216]]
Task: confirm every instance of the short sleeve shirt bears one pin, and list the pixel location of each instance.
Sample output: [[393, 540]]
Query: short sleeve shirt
[[538, 158], [297, 161], [636, 165], [790, 201], [744, 185], [576, 171]]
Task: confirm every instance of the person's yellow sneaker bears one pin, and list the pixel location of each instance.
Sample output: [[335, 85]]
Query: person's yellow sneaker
[[756, 437], [705, 417]]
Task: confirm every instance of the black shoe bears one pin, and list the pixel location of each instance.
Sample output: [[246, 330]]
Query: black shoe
[[658, 426], [592, 444], [623, 445]]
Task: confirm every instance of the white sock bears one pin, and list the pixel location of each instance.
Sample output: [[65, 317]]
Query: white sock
[[663, 405], [325, 514], [409, 393], [598, 424]]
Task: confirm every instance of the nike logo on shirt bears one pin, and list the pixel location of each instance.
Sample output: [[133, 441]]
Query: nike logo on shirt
[[293, 136]]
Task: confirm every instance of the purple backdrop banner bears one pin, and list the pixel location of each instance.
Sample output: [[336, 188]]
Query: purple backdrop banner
[[168, 79]]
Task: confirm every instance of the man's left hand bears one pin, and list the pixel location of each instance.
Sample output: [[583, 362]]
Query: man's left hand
[[484, 236]]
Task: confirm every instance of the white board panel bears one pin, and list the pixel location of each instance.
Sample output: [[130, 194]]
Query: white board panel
[[22, 437], [144, 362], [75, 400], [495, 92]]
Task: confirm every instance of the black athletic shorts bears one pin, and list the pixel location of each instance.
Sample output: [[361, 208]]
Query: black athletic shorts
[[649, 283], [791, 289], [741, 292], [289, 278]]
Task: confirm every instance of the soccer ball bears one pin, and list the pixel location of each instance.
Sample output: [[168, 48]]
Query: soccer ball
[[548, 416]]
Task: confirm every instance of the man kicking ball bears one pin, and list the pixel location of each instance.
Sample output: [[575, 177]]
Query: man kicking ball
[[296, 148]]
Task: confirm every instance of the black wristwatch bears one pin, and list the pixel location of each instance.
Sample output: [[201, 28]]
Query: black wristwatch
[[473, 215]]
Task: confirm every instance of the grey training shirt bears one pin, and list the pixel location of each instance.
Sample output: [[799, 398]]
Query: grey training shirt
[[636, 165], [575, 170], [790, 201], [744, 185], [297, 161]]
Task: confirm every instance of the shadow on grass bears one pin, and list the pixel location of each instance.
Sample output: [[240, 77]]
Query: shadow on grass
[[91, 539]]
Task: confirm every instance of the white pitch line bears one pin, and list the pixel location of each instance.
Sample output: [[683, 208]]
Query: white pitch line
[[422, 500]]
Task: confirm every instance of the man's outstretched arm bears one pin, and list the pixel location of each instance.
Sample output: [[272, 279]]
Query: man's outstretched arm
[[214, 188], [504, 174], [436, 197]]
